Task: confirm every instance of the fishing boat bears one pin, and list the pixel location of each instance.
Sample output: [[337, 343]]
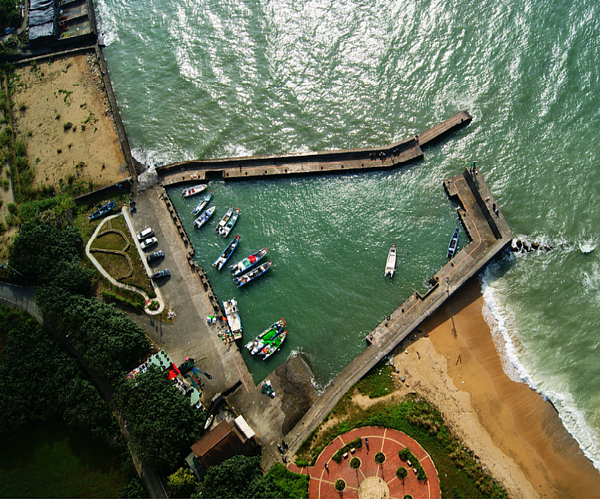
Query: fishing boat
[[247, 262], [229, 225], [204, 217], [233, 318], [251, 275], [226, 254], [224, 220], [102, 211], [258, 343], [274, 345], [452, 246], [202, 204], [194, 190], [390, 265]]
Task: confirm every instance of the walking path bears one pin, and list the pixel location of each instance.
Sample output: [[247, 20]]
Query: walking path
[[371, 480], [159, 298]]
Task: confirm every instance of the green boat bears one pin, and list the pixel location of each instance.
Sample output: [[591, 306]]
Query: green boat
[[259, 342], [273, 345]]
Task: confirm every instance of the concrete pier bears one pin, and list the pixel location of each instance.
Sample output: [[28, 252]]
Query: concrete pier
[[488, 233], [319, 162]]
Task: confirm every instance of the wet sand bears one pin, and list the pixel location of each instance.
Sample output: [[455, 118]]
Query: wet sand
[[516, 434]]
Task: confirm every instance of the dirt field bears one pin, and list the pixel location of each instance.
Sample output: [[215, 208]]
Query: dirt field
[[62, 110]]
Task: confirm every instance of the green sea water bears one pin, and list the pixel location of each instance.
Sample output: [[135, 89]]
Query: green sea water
[[207, 79]]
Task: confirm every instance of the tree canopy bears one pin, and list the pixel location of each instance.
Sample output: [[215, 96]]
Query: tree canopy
[[108, 340], [164, 424], [44, 254], [241, 477], [39, 382], [9, 14]]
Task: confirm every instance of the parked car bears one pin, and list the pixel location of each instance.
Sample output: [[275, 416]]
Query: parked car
[[155, 255], [148, 243], [161, 273], [145, 234]]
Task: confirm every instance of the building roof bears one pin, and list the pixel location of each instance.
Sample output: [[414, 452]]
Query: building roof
[[219, 444]]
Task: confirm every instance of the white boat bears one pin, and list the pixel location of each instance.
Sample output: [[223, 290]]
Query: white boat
[[194, 190], [200, 220], [229, 226], [233, 318], [390, 265], [224, 220]]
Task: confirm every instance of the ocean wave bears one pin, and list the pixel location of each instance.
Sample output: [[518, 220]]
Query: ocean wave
[[497, 316]]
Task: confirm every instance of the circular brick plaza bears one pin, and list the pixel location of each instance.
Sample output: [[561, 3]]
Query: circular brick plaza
[[371, 480]]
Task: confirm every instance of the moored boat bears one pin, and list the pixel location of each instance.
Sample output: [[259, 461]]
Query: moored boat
[[194, 190], [102, 211], [227, 252], [258, 343], [229, 225], [224, 220], [204, 217], [253, 274], [390, 265], [453, 245], [247, 262], [274, 345], [202, 204], [233, 318]]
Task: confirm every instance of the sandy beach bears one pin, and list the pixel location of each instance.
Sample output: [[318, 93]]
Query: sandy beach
[[53, 94], [515, 433]]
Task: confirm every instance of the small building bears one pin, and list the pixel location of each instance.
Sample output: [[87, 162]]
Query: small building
[[222, 442]]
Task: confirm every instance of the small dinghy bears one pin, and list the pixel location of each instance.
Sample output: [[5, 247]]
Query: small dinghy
[[248, 262], [226, 254], [194, 190], [224, 220], [253, 274], [259, 342], [229, 225], [274, 345], [390, 265], [204, 217], [102, 211], [202, 204], [233, 318], [453, 245]]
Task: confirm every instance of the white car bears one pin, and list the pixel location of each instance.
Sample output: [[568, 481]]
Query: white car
[[148, 243], [145, 234]]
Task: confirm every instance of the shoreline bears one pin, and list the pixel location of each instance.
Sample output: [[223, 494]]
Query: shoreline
[[453, 362]]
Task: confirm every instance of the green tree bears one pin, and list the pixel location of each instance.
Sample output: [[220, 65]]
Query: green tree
[[182, 483], [164, 424], [232, 478], [108, 340], [44, 254], [134, 490], [9, 14]]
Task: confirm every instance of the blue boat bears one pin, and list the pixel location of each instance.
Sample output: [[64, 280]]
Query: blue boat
[[102, 211], [453, 245], [251, 275], [226, 254], [202, 204], [204, 217]]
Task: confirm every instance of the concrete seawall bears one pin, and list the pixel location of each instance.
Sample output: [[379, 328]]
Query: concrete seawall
[[319, 162], [489, 235]]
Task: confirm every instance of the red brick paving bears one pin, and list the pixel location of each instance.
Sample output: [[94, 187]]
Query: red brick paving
[[385, 440]]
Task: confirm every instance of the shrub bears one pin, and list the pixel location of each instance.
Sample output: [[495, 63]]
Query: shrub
[[340, 485], [380, 458], [302, 463], [67, 126], [12, 208], [355, 463], [406, 455], [402, 473], [357, 443]]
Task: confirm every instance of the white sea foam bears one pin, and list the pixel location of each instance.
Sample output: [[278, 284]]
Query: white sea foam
[[588, 245], [498, 317], [107, 22]]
